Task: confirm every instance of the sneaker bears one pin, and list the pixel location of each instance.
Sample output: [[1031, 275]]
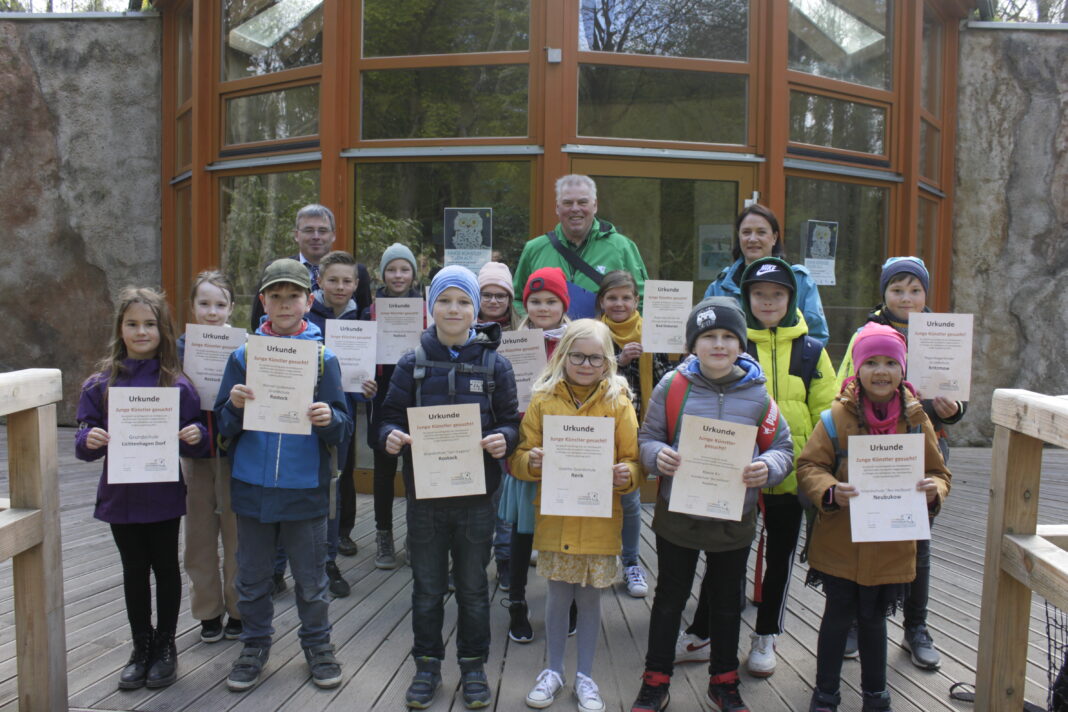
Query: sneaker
[[386, 558], [545, 688], [245, 672], [654, 694], [279, 584], [918, 642], [690, 648], [233, 628], [723, 692], [519, 628], [474, 687], [761, 661], [424, 684], [346, 546], [572, 620], [876, 702], [852, 650], [822, 702], [504, 574], [324, 667], [338, 585], [534, 558], [211, 630], [635, 578], [587, 694]]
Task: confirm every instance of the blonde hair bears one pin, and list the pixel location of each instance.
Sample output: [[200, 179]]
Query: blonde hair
[[170, 369], [583, 329]]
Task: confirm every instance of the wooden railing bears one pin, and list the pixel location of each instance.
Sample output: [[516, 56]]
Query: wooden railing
[[29, 534], [1021, 557]]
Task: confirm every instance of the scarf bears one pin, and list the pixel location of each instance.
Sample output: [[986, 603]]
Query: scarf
[[579, 394], [625, 332], [886, 424]]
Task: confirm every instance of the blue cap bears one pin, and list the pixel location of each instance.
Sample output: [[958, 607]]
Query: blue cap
[[904, 265], [454, 276]]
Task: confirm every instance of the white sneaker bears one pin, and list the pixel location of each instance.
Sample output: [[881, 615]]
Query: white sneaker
[[761, 661], [691, 649], [545, 688], [587, 694], [534, 558], [635, 578]]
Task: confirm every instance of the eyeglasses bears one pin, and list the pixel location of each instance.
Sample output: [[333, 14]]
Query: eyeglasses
[[487, 297], [322, 231], [577, 359]]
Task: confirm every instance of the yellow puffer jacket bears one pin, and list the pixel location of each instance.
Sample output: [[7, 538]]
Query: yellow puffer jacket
[[578, 535], [801, 410]]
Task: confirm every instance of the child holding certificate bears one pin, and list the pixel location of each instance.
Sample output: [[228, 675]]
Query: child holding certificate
[[719, 381], [578, 555], [144, 517], [863, 582], [456, 364]]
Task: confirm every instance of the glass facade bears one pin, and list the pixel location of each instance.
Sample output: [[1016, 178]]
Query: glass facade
[[849, 125], [709, 29], [262, 36], [283, 114], [850, 40], [416, 27]]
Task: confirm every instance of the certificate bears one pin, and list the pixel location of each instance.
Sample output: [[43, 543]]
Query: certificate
[[400, 323], [207, 349], [355, 343], [143, 425], [665, 306], [281, 374], [447, 450], [885, 470], [709, 481], [940, 355], [576, 471], [525, 350]]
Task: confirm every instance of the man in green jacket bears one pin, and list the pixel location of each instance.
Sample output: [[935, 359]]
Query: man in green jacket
[[589, 240]]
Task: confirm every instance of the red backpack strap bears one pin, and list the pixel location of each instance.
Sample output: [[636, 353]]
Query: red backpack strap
[[769, 426], [678, 392]]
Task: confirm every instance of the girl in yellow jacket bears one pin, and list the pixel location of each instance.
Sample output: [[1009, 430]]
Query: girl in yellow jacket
[[578, 555]]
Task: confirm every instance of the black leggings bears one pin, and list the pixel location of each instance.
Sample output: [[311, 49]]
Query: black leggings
[[347, 494], [522, 544], [144, 548], [385, 476], [848, 601]]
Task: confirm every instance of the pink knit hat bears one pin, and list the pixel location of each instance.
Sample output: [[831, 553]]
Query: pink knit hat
[[497, 274], [879, 340]]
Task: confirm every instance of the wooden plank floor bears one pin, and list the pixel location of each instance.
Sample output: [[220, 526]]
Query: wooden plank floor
[[372, 627]]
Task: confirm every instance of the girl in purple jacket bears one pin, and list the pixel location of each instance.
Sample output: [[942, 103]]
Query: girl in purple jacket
[[144, 518]]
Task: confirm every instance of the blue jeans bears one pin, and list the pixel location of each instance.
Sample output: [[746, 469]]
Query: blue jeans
[[257, 544], [502, 534], [632, 526], [433, 532]]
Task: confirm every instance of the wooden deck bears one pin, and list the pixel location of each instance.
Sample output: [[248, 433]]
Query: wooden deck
[[372, 627]]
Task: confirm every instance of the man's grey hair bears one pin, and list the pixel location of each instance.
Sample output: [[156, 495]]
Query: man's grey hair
[[575, 179], [316, 211]]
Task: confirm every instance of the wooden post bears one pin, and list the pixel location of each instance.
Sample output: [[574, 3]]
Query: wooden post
[[40, 633], [1003, 623]]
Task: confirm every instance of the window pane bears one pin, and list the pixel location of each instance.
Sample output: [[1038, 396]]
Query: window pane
[[452, 102], [404, 28], [405, 202], [183, 145], [257, 215], [264, 36], [930, 151], [662, 104], [927, 233], [185, 56], [842, 39], [712, 29], [823, 121], [931, 72], [286, 113], [183, 237], [861, 214]]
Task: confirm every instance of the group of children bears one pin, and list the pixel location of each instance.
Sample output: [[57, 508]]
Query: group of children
[[750, 362]]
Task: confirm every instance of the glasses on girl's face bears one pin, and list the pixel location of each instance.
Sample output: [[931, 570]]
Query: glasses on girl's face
[[577, 359], [487, 297]]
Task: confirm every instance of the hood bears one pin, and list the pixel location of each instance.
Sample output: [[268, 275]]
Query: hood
[[690, 368], [320, 307], [484, 336], [787, 271], [310, 333]]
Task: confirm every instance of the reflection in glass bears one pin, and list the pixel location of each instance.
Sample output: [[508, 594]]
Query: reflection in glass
[[927, 233], [265, 36], [931, 71], [450, 102], [930, 151], [185, 56], [823, 121], [662, 104], [861, 214], [434, 27], [286, 113], [183, 238], [842, 39], [183, 145], [405, 202], [256, 218], [711, 29]]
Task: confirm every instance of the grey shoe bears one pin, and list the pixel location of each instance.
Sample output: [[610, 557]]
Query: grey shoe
[[822, 702], [346, 546], [338, 585], [852, 648], [424, 684], [245, 672], [876, 702], [324, 667], [473, 684], [386, 558], [918, 641]]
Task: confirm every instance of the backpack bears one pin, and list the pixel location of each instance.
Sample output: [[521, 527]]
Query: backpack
[[489, 362], [805, 354]]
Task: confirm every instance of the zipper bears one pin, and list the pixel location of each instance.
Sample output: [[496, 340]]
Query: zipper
[[774, 365], [277, 460]]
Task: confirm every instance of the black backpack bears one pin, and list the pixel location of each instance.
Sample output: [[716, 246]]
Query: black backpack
[[489, 361], [804, 358]]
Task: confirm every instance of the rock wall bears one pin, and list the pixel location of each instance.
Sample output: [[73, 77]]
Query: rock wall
[[1010, 243], [80, 180]]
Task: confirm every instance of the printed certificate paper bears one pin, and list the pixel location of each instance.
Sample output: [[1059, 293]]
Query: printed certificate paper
[[356, 345], [665, 306], [143, 425], [207, 349], [281, 374], [709, 482], [400, 322], [525, 350], [576, 472], [447, 450], [940, 355], [885, 470]]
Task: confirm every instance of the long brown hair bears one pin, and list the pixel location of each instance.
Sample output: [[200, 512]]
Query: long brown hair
[[170, 370], [766, 213]]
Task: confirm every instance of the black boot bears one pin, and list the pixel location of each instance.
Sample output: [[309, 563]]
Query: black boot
[[133, 675], [164, 668]]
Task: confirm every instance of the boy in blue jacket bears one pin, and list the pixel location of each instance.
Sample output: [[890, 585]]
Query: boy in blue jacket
[[456, 363], [280, 487]]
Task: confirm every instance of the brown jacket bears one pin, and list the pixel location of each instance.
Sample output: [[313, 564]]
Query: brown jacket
[[832, 550]]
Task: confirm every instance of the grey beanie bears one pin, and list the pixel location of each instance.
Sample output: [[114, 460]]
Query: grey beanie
[[715, 313], [397, 251]]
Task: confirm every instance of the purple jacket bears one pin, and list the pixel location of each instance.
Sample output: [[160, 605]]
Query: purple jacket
[[136, 503]]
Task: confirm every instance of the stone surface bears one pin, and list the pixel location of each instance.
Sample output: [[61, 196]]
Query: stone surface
[[79, 172], [1010, 243]]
